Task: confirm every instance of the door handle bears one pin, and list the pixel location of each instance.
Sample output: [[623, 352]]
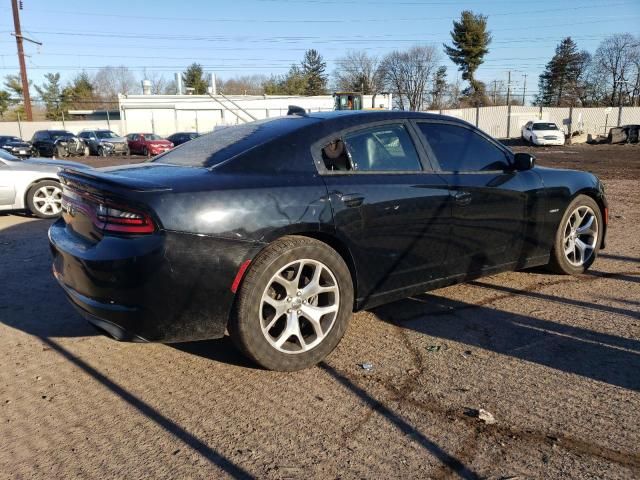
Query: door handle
[[352, 199], [462, 198]]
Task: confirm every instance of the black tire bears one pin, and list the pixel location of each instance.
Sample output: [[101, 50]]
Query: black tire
[[31, 201], [245, 324], [145, 151], [559, 262], [102, 152]]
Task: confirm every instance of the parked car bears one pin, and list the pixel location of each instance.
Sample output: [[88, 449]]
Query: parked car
[[148, 144], [31, 184], [182, 137], [542, 133], [58, 143], [277, 230], [105, 142], [15, 146]]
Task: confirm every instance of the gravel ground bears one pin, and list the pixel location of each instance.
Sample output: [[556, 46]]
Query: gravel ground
[[555, 360]]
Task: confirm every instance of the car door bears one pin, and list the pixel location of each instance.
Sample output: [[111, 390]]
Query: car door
[[134, 144], [7, 185], [389, 206], [40, 143], [496, 210]]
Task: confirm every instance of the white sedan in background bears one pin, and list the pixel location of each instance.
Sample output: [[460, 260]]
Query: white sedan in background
[[542, 133]]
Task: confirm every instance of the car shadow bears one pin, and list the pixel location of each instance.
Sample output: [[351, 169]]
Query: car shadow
[[30, 299], [598, 356], [220, 350]]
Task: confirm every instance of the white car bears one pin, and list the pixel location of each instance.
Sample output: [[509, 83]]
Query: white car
[[542, 133], [32, 184]]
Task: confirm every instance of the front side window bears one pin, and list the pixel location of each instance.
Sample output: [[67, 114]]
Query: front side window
[[384, 148], [460, 149]]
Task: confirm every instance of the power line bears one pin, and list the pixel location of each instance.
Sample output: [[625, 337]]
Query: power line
[[245, 20]]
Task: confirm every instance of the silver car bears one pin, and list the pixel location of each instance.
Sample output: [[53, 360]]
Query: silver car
[[32, 184]]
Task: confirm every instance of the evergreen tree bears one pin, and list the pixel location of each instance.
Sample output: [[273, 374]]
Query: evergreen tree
[[51, 94], [470, 40], [293, 83], [5, 101], [193, 77], [14, 86], [313, 67], [439, 87], [79, 93], [559, 83]]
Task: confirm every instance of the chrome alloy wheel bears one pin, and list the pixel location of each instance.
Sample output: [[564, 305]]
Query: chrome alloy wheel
[[580, 236], [299, 306], [48, 200]]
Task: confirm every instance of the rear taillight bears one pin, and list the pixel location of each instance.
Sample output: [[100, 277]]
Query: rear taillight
[[111, 218]]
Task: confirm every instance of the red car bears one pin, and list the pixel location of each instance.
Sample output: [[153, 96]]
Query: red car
[[148, 144]]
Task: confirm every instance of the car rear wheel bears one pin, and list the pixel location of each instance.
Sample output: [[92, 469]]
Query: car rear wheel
[[44, 199], [294, 304], [578, 237]]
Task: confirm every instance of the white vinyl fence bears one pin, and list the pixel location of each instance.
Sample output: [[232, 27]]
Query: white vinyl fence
[[506, 122]]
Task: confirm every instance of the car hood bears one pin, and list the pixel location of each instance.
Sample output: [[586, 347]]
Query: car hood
[[114, 140], [547, 132], [17, 144], [54, 163]]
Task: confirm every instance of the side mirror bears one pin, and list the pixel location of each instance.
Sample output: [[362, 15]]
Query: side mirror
[[523, 161]]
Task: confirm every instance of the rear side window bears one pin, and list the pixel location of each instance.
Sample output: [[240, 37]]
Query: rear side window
[[460, 149], [226, 142]]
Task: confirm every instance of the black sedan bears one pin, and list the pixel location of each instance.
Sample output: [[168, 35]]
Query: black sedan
[[15, 146], [277, 230], [182, 137]]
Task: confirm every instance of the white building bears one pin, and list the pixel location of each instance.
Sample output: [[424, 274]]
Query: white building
[[166, 114]]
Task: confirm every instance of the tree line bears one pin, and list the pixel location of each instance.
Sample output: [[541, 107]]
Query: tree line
[[415, 76]]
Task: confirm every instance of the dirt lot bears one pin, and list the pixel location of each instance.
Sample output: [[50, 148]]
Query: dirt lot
[[555, 359]]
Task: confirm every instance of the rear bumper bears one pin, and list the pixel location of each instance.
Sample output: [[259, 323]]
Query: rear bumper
[[165, 287]]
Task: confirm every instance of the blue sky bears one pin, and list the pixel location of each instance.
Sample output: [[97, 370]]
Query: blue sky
[[265, 36]]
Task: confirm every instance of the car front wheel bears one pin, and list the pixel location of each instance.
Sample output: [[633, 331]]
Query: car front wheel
[[294, 304], [578, 237], [44, 199]]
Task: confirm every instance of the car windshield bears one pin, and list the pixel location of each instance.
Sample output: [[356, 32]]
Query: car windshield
[[545, 126], [55, 134], [225, 142], [9, 139], [151, 136], [7, 156], [106, 134]]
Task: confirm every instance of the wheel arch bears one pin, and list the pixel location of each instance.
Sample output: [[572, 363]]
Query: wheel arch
[[332, 241], [34, 182], [597, 197]]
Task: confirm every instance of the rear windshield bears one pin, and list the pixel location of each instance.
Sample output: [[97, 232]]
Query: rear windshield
[[224, 143], [545, 126]]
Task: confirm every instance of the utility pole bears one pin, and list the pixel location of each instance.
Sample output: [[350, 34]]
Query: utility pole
[[524, 88], [495, 86], [23, 68], [509, 105]]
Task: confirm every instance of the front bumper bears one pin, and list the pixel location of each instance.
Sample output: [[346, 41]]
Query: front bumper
[[166, 287], [544, 142]]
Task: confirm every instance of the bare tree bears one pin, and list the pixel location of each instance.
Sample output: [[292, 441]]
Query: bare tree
[[159, 84], [357, 71], [109, 81], [408, 73], [242, 85], [616, 56]]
